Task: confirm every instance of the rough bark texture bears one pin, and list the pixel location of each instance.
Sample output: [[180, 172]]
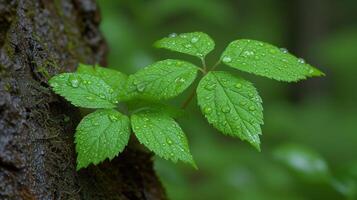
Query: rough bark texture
[[37, 159]]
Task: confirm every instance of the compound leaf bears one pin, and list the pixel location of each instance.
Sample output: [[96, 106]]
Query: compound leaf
[[267, 60], [101, 135], [84, 90], [232, 105], [162, 80], [162, 135], [197, 43], [113, 78]]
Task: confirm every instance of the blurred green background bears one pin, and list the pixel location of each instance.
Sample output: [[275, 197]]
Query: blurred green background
[[309, 137]]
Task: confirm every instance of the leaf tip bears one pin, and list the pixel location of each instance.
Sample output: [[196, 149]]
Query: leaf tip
[[157, 44], [256, 145], [80, 166], [316, 72], [192, 162]]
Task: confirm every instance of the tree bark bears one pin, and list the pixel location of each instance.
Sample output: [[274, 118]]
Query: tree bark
[[38, 39]]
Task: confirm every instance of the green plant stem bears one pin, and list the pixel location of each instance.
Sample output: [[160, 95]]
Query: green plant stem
[[204, 64], [188, 100], [192, 94], [215, 65], [204, 71]]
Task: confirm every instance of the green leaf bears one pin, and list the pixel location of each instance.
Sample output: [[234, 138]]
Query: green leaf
[[232, 105], [101, 135], [162, 135], [197, 43], [162, 80], [84, 90], [308, 164], [267, 60], [113, 78]]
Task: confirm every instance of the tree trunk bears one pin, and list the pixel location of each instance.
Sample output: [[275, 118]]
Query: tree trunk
[[40, 38]]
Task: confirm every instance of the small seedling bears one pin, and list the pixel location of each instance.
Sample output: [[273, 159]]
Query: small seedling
[[229, 102]]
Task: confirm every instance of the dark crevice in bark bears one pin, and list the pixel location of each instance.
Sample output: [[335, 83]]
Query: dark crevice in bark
[[39, 39]]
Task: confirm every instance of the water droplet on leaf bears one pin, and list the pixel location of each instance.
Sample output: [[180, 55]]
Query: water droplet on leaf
[[210, 86], [172, 35], [74, 82], [301, 61], [208, 110], [194, 39], [140, 88], [226, 109], [248, 53], [180, 80], [227, 59], [113, 117], [238, 85], [284, 50]]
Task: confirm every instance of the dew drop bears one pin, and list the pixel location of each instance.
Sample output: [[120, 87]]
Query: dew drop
[[140, 88], [210, 86], [194, 39], [169, 141], [207, 110], [102, 96], [136, 81], [248, 53], [227, 59], [113, 117], [54, 84], [89, 98], [284, 50], [74, 82], [301, 61], [252, 108], [172, 35], [238, 85], [226, 109], [188, 46], [180, 80], [311, 71]]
